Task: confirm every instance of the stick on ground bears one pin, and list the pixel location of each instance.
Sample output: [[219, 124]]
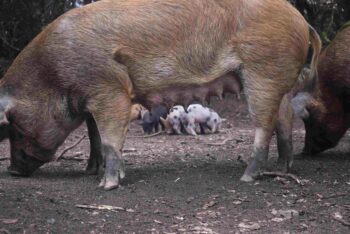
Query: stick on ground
[[147, 136], [340, 219], [281, 174], [101, 207], [70, 147], [220, 143]]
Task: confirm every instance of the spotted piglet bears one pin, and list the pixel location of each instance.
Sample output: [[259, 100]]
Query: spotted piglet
[[172, 122], [204, 116]]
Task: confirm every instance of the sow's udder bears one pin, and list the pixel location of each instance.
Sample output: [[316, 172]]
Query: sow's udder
[[228, 83]]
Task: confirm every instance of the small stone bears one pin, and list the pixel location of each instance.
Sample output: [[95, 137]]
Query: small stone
[[51, 221], [249, 226], [277, 220], [237, 202]]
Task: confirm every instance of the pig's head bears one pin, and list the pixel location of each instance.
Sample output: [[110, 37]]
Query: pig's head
[[214, 122], [22, 164], [188, 122], [322, 114]]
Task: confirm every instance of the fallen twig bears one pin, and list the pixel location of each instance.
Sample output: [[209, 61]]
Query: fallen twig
[[220, 143], [125, 150], [4, 158], [337, 216], [103, 207], [5, 231], [334, 195], [147, 136], [281, 174], [70, 147], [73, 159]]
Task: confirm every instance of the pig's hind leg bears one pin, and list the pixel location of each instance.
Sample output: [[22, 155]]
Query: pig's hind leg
[[264, 97], [284, 135]]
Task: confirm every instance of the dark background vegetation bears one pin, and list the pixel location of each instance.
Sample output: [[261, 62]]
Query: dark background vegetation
[[22, 20]]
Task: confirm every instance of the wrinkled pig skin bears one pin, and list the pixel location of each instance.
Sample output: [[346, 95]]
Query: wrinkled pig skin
[[92, 63]]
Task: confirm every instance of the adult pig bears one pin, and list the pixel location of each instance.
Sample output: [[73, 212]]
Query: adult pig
[[94, 62], [324, 103]]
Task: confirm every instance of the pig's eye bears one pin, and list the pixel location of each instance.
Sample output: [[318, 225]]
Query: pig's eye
[[175, 117], [215, 120]]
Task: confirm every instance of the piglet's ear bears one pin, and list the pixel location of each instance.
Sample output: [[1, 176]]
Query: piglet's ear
[[164, 121]]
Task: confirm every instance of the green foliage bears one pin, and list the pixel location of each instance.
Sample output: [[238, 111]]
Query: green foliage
[[326, 16]]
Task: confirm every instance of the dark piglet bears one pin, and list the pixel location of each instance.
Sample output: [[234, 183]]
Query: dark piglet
[[151, 119]]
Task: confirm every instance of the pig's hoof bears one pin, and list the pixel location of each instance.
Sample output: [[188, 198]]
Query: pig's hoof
[[17, 172], [91, 171], [282, 167], [94, 170], [109, 183], [247, 178], [122, 173]]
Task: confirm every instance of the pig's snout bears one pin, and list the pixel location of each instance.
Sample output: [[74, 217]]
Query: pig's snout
[[22, 164]]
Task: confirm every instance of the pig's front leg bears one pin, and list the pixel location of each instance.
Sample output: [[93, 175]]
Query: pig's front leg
[[202, 127], [111, 111], [95, 162], [112, 119], [190, 129]]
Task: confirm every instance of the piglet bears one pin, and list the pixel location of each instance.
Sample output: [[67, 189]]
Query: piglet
[[151, 119], [172, 122], [204, 116]]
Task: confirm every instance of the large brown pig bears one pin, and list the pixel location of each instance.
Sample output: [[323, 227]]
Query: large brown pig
[[324, 103], [93, 63]]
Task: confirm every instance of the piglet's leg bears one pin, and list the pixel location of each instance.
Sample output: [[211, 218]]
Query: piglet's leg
[[284, 135], [111, 111], [95, 162], [202, 127]]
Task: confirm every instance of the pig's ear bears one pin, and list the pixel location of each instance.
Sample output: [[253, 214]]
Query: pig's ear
[[301, 103], [122, 54], [164, 121], [5, 105]]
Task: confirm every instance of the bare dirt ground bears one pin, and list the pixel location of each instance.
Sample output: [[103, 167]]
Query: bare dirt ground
[[181, 184]]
